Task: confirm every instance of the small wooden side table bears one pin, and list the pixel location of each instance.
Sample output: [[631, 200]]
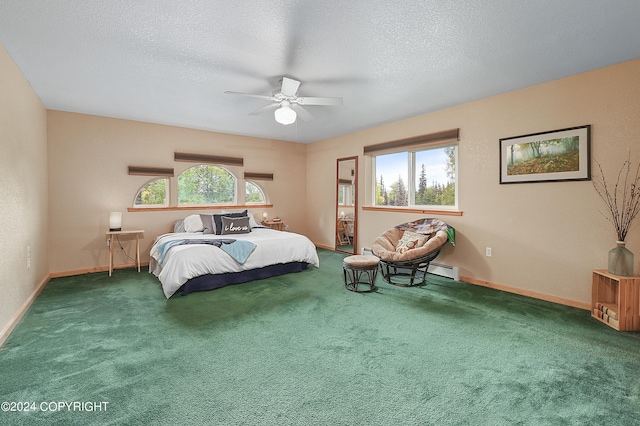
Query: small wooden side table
[[278, 226], [115, 234], [615, 300]]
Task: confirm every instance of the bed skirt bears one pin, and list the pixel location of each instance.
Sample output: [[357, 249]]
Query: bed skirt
[[214, 281]]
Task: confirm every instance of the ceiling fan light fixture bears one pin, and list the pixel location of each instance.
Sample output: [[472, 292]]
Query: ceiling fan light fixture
[[285, 115]]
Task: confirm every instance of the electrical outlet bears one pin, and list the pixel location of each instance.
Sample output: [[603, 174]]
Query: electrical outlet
[[28, 257], [488, 251]]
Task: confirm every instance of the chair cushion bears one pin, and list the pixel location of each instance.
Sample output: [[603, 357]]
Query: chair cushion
[[410, 241], [360, 261], [385, 246]]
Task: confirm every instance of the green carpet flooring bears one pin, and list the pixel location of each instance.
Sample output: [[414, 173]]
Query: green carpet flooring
[[301, 350]]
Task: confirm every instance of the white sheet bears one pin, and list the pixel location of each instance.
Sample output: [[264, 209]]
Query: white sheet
[[183, 262]]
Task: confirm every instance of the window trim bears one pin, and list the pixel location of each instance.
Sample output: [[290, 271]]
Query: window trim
[[401, 209]]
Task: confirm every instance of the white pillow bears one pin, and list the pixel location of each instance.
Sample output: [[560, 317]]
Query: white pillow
[[193, 223], [252, 220]]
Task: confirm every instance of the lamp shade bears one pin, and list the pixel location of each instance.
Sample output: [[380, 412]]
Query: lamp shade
[[115, 221], [285, 115]]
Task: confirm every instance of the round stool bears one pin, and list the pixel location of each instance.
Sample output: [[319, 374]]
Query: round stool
[[360, 269]]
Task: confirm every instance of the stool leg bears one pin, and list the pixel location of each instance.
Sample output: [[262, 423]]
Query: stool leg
[[350, 279], [354, 277], [372, 278]]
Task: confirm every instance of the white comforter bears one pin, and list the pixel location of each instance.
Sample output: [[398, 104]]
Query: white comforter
[[183, 262]]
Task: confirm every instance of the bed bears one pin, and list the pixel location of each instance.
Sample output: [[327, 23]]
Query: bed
[[203, 260]]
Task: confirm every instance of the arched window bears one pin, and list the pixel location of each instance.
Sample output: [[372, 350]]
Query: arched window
[[206, 184], [254, 194], [153, 193]]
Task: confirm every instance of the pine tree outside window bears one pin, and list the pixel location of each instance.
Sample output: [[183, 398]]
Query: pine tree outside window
[[425, 178]]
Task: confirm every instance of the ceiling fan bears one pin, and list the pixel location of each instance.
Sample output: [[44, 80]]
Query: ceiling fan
[[287, 104]]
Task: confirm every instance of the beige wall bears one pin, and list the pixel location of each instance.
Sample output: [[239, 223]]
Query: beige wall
[[89, 158], [545, 237], [23, 191]]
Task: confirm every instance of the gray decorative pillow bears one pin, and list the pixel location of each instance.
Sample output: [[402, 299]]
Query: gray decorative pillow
[[217, 220], [179, 226], [207, 222], [235, 225]]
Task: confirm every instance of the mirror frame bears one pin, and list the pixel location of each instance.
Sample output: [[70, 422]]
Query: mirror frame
[[355, 205]]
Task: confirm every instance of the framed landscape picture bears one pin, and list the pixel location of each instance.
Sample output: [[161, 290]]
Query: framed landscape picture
[[557, 155]]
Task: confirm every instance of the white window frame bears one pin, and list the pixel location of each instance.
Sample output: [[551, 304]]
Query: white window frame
[[412, 178], [260, 188], [235, 199], [166, 192]]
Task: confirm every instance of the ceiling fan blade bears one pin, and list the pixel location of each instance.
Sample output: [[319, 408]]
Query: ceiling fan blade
[[318, 101], [268, 98], [302, 113], [265, 109], [289, 87]]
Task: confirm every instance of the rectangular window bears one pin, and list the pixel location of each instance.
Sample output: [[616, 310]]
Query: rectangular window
[[421, 178]]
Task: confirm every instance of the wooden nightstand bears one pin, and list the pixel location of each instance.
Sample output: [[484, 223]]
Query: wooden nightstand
[[110, 237], [278, 226]]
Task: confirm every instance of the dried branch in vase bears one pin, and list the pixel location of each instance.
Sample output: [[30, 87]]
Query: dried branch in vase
[[623, 199]]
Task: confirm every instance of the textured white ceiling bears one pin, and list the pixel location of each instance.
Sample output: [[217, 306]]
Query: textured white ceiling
[[165, 61]]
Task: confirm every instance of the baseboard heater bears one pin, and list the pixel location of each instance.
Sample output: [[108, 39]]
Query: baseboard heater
[[444, 270], [435, 268]]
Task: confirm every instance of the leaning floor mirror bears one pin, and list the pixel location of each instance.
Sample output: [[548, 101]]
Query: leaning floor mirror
[[346, 205]]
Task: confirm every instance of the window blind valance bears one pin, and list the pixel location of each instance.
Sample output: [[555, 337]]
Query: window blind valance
[[258, 176], [413, 142], [209, 159], [150, 171]]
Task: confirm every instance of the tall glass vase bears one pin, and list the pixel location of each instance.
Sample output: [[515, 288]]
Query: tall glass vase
[[621, 260]]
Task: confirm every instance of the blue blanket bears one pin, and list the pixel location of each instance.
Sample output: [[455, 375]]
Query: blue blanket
[[237, 249]]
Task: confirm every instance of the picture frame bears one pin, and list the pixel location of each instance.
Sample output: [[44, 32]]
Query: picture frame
[[553, 156]]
